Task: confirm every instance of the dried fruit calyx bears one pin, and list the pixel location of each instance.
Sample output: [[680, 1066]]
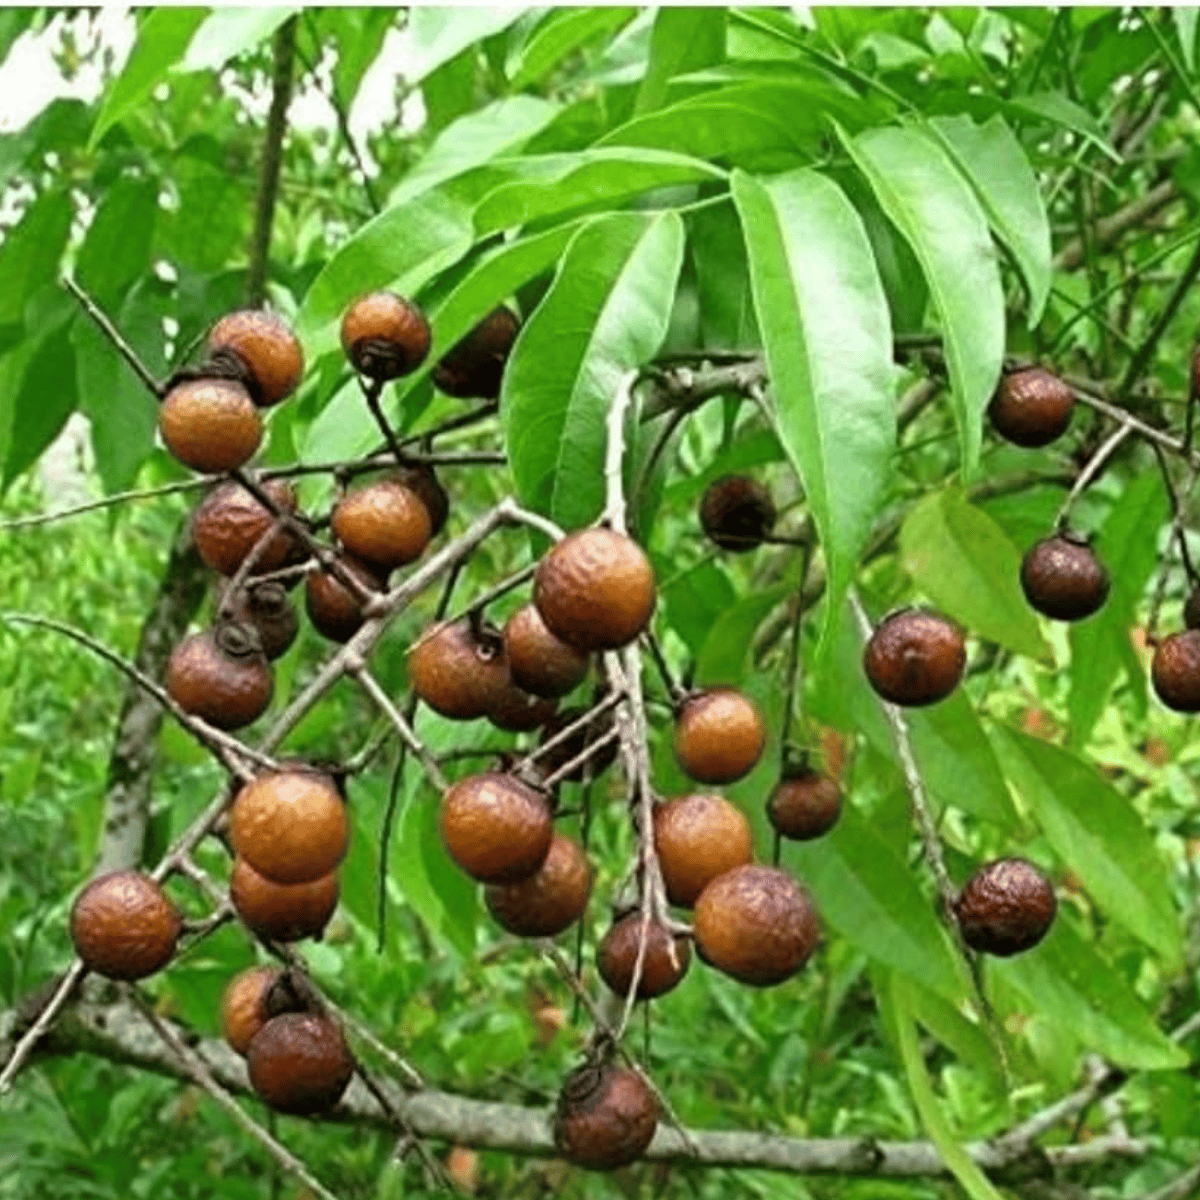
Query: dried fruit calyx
[[266, 347], [1031, 407], [123, 926], [1063, 579], [474, 366], [605, 1118], [265, 607], [719, 735], [915, 658], [1006, 907], [737, 513], [805, 804], [385, 336], [221, 676]]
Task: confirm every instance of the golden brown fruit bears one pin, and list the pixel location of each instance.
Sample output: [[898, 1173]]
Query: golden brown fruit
[[575, 744], [230, 520], [456, 673], [384, 524], [290, 825], [605, 1118], [266, 346], [804, 805], [385, 336], [474, 366], [915, 658], [266, 608], [537, 660], [1006, 907], [282, 912], [123, 926], [421, 480], [1031, 407], [244, 1005], [222, 676], [495, 827], [210, 425], [299, 1063], [1063, 579], [552, 899], [719, 735], [665, 963], [737, 513], [595, 590], [336, 613], [1175, 671], [756, 924], [697, 839]]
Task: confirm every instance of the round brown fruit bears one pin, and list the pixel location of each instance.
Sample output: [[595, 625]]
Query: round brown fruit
[[244, 1005], [290, 825], [299, 1063], [737, 513], [537, 660], [605, 1118], [266, 607], [474, 366], [595, 590], [229, 522], [496, 828], [336, 613], [516, 710], [756, 924], [456, 673], [915, 658], [385, 336], [222, 676], [210, 425], [804, 805], [1031, 407], [576, 743], [421, 480], [664, 965], [719, 736], [282, 912], [698, 838], [1006, 907], [123, 926], [384, 524], [552, 899], [1175, 671], [1063, 579], [268, 349]]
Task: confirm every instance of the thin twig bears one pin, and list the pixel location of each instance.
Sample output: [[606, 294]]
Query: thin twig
[[358, 668], [24, 1047], [1090, 471], [111, 332]]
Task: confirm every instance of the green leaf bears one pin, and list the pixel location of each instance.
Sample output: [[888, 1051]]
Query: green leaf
[[605, 314], [116, 250], [828, 338], [230, 31], [724, 658], [683, 39], [718, 250], [990, 156], [694, 599], [13, 23], [30, 253], [436, 35], [558, 34], [926, 198], [359, 33], [968, 1040], [1097, 832], [1056, 108], [964, 562], [1185, 26]]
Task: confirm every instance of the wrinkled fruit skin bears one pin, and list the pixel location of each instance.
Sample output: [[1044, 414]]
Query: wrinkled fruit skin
[[595, 590], [756, 924], [719, 736], [1031, 408], [1063, 579], [229, 691], [123, 926], [737, 512], [229, 521], [1006, 907], [282, 912], [576, 743], [1175, 671], [210, 425], [454, 673], [805, 805], [385, 336], [244, 1005], [334, 610], [552, 899], [299, 1063], [698, 838], [537, 660], [915, 658], [474, 366], [665, 964], [266, 347], [495, 827], [266, 608], [384, 524], [605, 1118]]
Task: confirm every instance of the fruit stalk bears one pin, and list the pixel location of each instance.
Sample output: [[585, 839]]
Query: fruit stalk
[[1090, 470]]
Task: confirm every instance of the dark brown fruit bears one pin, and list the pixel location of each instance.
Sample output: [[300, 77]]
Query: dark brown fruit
[[474, 366], [697, 839], [1031, 407], [1006, 907], [804, 805], [719, 736], [385, 336], [1063, 579], [515, 709], [422, 480], [244, 1005], [737, 512], [383, 523], [210, 425], [552, 899], [1175, 671], [336, 613], [537, 660], [266, 346], [456, 673], [229, 521], [266, 607], [665, 963], [1191, 610], [595, 590], [756, 924], [290, 825], [597, 728], [221, 676], [496, 828], [915, 658], [299, 1063], [123, 926], [605, 1118], [282, 912]]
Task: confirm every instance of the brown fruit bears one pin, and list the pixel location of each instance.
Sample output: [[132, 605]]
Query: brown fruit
[[495, 827], [756, 924], [664, 965], [385, 336], [1175, 671], [422, 480], [456, 673], [915, 658], [210, 425], [552, 899], [299, 1063], [719, 735], [804, 805], [266, 346], [1031, 407], [514, 709], [244, 1005], [336, 613], [290, 825], [605, 1118], [597, 728], [123, 926], [221, 676], [1063, 579], [1006, 907], [474, 366], [266, 607], [282, 912], [697, 839], [537, 660], [737, 513], [384, 524], [595, 590], [230, 520]]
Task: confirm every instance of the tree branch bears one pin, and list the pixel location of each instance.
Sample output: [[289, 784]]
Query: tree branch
[[1108, 229]]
